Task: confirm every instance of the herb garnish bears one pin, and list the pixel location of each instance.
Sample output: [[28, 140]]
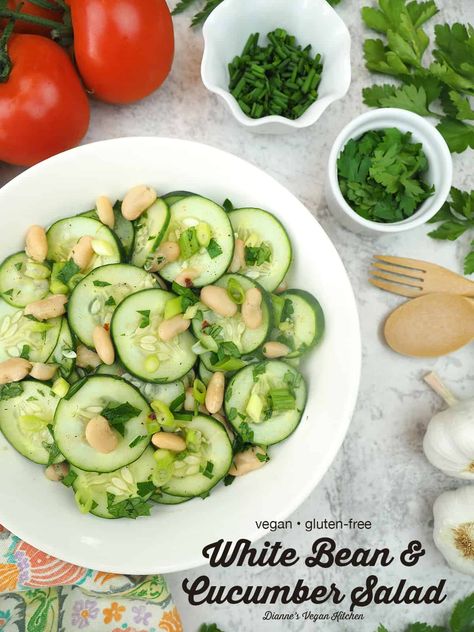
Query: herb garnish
[[25, 352], [188, 298], [118, 414], [145, 488], [145, 321], [381, 175], [9, 391], [98, 283], [51, 448], [69, 479], [137, 440], [128, 508], [213, 249], [246, 432], [68, 271], [257, 255], [287, 311], [110, 301], [208, 469]]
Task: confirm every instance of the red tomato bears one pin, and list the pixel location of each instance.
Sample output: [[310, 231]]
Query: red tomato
[[33, 9], [43, 106], [123, 48]]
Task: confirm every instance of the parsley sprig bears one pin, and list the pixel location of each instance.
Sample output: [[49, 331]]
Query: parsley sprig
[[455, 218], [118, 414], [440, 89]]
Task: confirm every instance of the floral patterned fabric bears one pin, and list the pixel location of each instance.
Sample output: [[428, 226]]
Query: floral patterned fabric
[[39, 593]]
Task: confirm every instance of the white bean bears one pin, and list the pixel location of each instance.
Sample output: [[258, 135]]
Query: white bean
[[56, 472], [187, 276], [105, 211], [252, 314], [103, 344], [238, 260], [36, 243], [274, 350], [217, 299], [83, 252], [215, 392], [247, 461], [86, 358], [167, 252], [42, 371], [189, 399], [100, 436], [137, 200], [50, 307], [14, 370], [172, 327], [168, 441]]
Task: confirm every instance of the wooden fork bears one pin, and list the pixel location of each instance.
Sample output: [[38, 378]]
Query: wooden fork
[[412, 277]]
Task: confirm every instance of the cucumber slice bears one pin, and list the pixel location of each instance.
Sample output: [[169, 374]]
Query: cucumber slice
[[212, 261], [123, 228], [134, 330], [176, 196], [300, 324], [254, 382], [167, 499], [166, 393], [24, 421], [63, 353], [150, 229], [203, 371], [233, 329], [268, 251], [88, 398], [19, 282], [123, 483], [215, 449], [95, 297], [21, 335], [64, 234]]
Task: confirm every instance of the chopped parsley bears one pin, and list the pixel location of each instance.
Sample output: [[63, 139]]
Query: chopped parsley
[[137, 440], [145, 489], [68, 271], [51, 448], [9, 391], [117, 415], [69, 479], [287, 311], [145, 321], [228, 479], [110, 301], [227, 205], [129, 508], [25, 352], [232, 414], [213, 249], [246, 432], [208, 469], [257, 255], [188, 298], [98, 283], [18, 265], [263, 458], [258, 369]]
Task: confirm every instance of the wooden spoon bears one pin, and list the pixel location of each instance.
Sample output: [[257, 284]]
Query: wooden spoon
[[431, 325]]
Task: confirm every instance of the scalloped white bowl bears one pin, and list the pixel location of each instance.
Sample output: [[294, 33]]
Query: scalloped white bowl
[[44, 514], [313, 22]]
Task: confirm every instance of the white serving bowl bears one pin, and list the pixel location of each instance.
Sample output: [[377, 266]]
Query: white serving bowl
[[440, 171], [44, 514], [312, 22]]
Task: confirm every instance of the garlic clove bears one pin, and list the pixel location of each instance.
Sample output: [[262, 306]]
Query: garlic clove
[[454, 528]]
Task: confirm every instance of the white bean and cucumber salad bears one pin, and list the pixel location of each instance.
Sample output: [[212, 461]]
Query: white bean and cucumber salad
[[149, 349]]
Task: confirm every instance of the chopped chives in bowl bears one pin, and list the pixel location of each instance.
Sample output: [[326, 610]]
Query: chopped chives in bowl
[[280, 78]]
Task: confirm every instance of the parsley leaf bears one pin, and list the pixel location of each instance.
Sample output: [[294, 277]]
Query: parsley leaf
[[129, 508], [188, 297], [246, 432], [457, 134], [98, 283], [9, 391], [68, 271], [408, 97], [462, 619], [213, 249], [287, 311], [51, 448], [110, 301], [227, 205], [69, 479], [145, 321], [25, 352], [145, 488], [257, 255], [210, 627], [117, 415], [208, 469]]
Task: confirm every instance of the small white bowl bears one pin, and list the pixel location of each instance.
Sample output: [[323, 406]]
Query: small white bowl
[[312, 22], [440, 170]]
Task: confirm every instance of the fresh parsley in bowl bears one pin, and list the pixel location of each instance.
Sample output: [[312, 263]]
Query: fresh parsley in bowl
[[389, 171]]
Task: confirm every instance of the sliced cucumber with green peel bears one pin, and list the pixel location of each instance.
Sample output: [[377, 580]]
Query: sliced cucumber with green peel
[[265, 401], [26, 421], [64, 234], [130, 481], [209, 257], [268, 251], [150, 229], [63, 353], [123, 228], [134, 330], [166, 393], [88, 398], [95, 298], [204, 373], [300, 322], [214, 330], [214, 459], [21, 335], [176, 196], [23, 281], [167, 499]]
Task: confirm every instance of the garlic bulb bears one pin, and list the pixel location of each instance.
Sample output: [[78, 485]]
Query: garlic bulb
[[449, 438], [454, 528]]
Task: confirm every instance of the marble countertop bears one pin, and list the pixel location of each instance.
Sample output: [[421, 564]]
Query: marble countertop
[[380, 473]]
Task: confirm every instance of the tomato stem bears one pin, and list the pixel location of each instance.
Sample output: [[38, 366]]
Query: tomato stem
[[5, 60], [58, 27]]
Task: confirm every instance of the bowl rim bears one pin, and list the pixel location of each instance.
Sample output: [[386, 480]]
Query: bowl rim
[[415, 122], [318, 107], [29, 532]]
